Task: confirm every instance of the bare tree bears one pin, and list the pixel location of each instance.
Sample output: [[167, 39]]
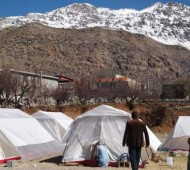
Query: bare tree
[[121, 88], [60, 95], [15, 88], [5, 87], [83, 89], [107, 89]]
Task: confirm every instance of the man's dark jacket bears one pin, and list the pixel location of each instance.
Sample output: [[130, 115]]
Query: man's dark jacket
[[133, 135]]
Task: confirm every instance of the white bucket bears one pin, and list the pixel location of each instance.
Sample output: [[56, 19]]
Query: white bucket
[[169, 160]]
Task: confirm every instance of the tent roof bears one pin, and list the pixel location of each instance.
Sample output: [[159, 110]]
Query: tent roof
[[61, 118], [177, 139], [182, 127], [13, 113], [16, 122], [105, 110], [53, 115]]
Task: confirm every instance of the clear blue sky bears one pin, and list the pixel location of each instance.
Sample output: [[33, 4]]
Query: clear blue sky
[[22, 7]]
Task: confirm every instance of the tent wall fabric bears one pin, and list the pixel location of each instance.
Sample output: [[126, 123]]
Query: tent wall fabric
[[56, 123], [177, 139], [22, 136], [103, 122]]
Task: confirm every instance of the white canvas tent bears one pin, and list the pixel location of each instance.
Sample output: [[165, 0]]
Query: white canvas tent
[[21, 136], [56, 123], [177, 139], [103, 122]]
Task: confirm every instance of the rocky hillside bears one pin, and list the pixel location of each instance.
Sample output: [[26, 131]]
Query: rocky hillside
[[167, 23], [78, 52]]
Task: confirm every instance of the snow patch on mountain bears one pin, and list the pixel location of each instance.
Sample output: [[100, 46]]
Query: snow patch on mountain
[[167, 23]]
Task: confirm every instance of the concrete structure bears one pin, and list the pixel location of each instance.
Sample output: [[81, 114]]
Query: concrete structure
[[47, 80]]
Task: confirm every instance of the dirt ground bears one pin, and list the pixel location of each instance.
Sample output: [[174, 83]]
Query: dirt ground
[[156, 162], [180, 163]]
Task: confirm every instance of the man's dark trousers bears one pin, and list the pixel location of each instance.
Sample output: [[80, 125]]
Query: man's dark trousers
[[135, 154]]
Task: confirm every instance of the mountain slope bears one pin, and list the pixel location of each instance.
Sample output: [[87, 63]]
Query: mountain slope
[[167, 23], [90, 51]]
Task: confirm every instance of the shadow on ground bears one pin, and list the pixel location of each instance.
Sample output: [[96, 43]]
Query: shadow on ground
[[56, 160]]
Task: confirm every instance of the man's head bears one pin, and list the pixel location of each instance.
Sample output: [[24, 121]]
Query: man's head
[[135, 115]]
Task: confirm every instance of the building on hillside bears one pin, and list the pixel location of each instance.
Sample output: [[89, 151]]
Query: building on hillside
[[49, 81], [40, 84], [120, 79]]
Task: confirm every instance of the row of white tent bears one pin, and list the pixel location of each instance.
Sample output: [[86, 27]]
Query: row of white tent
[[28, 138], [46, 134]]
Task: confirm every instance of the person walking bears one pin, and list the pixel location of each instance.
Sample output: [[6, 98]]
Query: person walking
[[134, 138]]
